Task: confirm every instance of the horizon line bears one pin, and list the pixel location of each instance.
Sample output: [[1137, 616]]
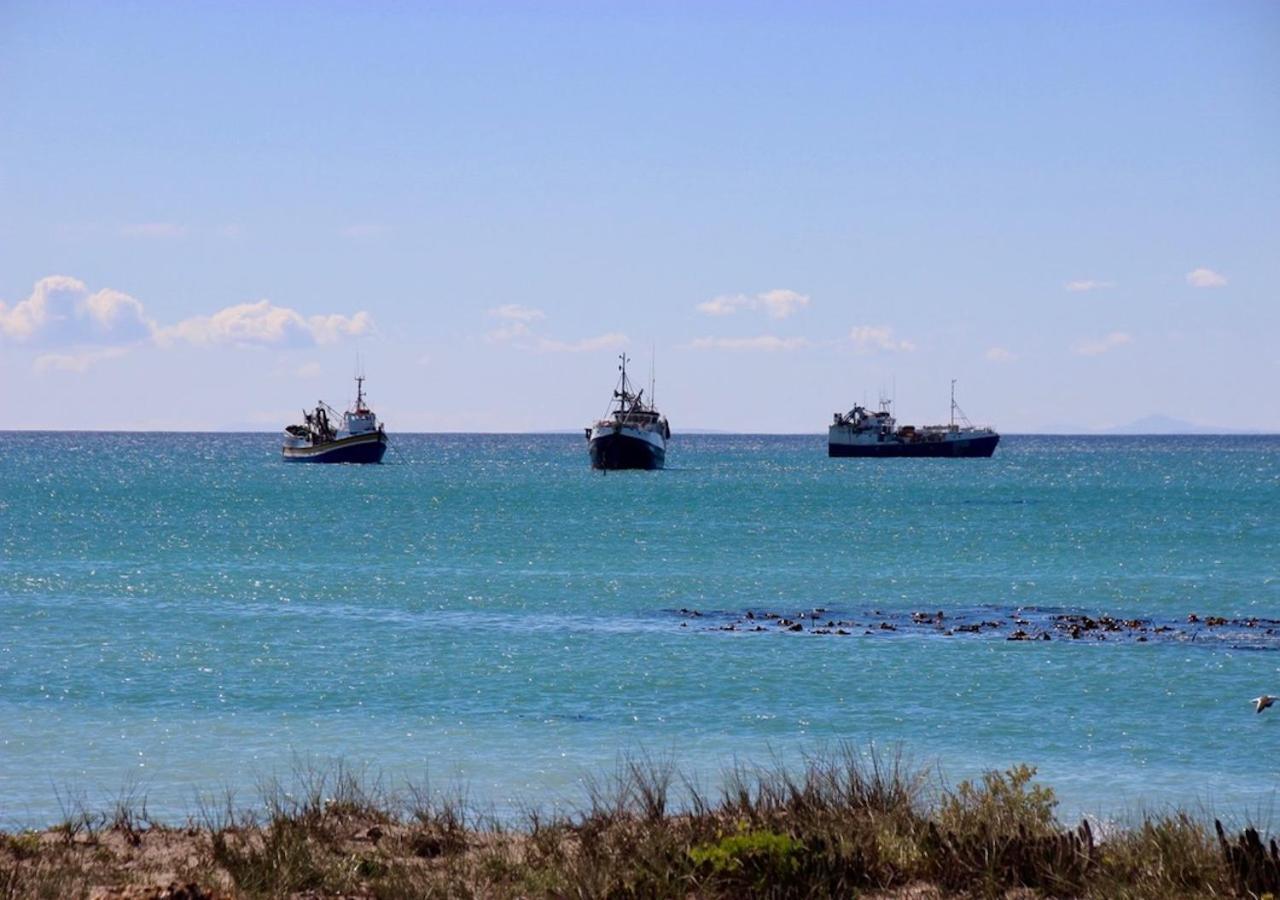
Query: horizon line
[[700, 432]]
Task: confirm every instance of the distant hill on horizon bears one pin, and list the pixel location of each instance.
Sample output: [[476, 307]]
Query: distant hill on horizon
[[1153, 424], [1161, 424]]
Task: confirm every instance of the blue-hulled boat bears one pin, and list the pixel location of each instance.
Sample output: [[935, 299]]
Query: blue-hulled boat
[[359, 438]]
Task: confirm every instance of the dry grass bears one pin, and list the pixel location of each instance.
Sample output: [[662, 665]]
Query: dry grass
[[845, 824]]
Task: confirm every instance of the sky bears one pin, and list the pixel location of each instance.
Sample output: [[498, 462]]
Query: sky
[[210, 211]]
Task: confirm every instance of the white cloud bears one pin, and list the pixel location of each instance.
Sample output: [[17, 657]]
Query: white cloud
[[154, 230], [1205, 278], [878, 338], [517, 322], [766, 342], [93, 327], [781, 303], [26, 317], [778, 303], [77, 362], [1104, 344], [1000, 355], [515, 319], [265, 324], [608, 341], [334, 327], [724, 305], [1088, 284], [517, 313], [61, 310], [117, 314]]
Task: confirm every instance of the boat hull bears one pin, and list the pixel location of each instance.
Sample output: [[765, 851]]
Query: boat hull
[[982, 446], [620, 450], [363, 448]]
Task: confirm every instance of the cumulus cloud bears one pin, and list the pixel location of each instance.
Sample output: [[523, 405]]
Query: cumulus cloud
[[724, 305], [61, 310], [1206, 278], [778, 303], [781, 303], [1088, 284], [1104, 344], [117, 314], [1000, 354], [766, 342], [22, 320], [90, 327], [878, 339], [265, 324]]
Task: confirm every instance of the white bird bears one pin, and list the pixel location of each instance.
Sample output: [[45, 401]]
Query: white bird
[[1261, 703]]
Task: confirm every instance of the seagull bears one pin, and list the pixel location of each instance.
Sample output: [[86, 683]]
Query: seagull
[[1261, 703]]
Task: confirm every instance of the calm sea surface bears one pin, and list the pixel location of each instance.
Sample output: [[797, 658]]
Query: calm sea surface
[[187, 613]]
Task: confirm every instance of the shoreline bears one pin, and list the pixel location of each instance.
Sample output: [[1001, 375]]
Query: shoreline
[[848, 823]]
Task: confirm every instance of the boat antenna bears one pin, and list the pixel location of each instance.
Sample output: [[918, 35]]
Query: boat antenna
[[653, 354], [359, 382]]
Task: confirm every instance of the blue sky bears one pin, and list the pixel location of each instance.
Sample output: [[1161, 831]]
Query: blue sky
[[207, 210]]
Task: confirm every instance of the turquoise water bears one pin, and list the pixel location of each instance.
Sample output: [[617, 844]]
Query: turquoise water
[[186, 612]]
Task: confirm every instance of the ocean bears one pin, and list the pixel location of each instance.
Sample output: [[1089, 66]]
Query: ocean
[[182, 614]]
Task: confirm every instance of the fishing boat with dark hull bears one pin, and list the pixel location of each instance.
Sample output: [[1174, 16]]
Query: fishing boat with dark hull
[[860, 432], [358, 438], [633, 435]]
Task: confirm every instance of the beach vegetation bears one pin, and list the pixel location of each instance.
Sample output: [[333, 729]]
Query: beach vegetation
[[850, 822]]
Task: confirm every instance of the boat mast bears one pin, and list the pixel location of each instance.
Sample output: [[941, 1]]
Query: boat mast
[[622, 404], [953, 403]]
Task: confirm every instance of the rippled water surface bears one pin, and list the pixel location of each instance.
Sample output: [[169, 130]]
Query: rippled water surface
[[188, 612]]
